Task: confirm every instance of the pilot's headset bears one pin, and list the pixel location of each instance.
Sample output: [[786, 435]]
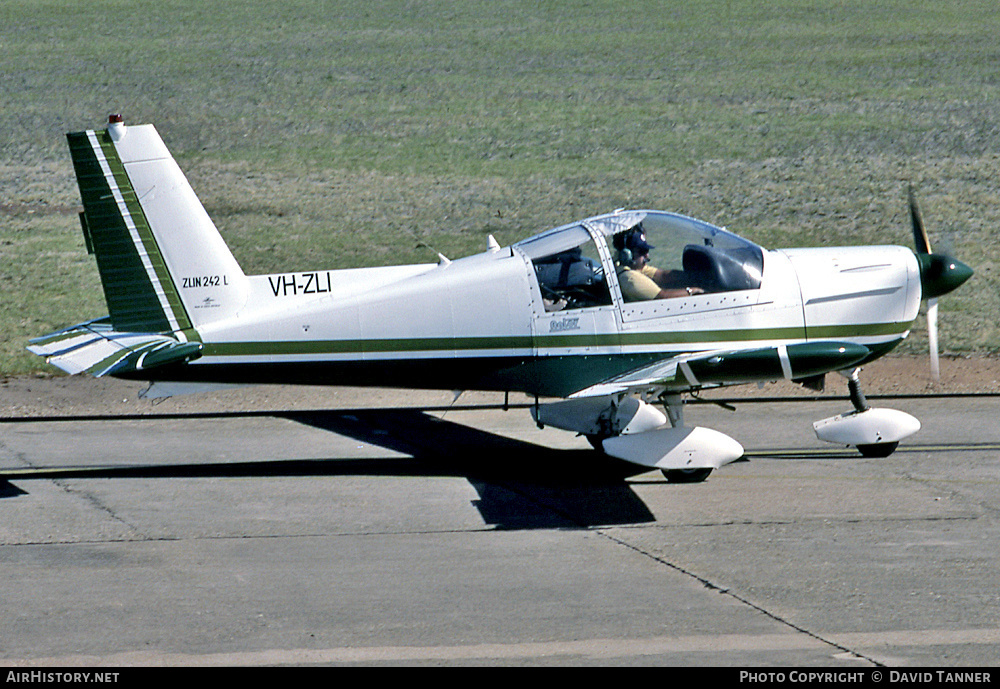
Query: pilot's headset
[[631, 242]]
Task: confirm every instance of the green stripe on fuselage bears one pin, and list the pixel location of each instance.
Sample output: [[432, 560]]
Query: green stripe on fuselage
[[705, 338]]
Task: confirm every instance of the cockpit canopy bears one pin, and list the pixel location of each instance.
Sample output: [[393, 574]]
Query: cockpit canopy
[[710, 257], [695, 254]]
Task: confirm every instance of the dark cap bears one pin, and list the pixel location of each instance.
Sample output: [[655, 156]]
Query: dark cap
[[635, 241]]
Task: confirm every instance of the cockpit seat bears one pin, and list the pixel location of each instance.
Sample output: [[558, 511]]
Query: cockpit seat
[[573, 278], [715, 270], [568, 269]]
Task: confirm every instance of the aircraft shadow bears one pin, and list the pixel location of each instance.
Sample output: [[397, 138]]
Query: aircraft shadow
[[9, 490], [520, 485]]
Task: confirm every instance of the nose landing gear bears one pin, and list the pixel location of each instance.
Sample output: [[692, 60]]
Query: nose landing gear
[[875, 432]]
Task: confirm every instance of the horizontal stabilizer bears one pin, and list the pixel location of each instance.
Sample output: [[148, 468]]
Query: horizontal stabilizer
[[97, 348]]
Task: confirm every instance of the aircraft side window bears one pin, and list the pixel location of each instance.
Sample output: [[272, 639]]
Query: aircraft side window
[[572, 279]]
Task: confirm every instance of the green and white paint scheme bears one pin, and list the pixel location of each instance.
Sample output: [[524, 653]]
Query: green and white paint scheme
[[546, 316]]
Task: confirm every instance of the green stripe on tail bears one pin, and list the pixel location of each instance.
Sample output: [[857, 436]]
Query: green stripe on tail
[[139, 291]]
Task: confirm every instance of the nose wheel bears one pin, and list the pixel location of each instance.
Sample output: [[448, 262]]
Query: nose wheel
[[861, 406], [877, 449]]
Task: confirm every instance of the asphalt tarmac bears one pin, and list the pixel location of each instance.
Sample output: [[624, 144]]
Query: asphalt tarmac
[[472, 537]]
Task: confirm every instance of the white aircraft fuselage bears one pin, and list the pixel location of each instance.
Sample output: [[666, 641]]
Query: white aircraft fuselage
[[480, 322]]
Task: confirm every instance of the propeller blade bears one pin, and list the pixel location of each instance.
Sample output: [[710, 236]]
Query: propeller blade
[[920, 239], [932, 337], [939, 274]]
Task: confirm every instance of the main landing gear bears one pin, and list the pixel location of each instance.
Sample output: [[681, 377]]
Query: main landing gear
[[684, 454], [873, 431], [635, 431], [674, 407]]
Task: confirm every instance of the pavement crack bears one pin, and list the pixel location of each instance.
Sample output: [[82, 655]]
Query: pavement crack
[[947, 490], [708, 584], [722, 590], [96, 503], [83, 495]]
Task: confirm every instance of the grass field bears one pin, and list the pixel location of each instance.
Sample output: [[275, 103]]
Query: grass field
[[330, 134]]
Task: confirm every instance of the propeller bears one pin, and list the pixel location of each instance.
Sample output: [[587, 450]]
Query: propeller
[[939, 274]]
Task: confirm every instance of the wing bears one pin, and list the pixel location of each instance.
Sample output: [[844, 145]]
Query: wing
[[97, 348], [734, 366]]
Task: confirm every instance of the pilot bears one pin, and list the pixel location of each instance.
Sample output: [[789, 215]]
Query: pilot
[[640, 281]]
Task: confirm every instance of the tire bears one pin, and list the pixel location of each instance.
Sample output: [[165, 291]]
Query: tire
[[686, 475], [877, 449]]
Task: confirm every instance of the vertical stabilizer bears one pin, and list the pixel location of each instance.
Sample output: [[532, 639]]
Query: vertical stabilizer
[[163, 264]]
